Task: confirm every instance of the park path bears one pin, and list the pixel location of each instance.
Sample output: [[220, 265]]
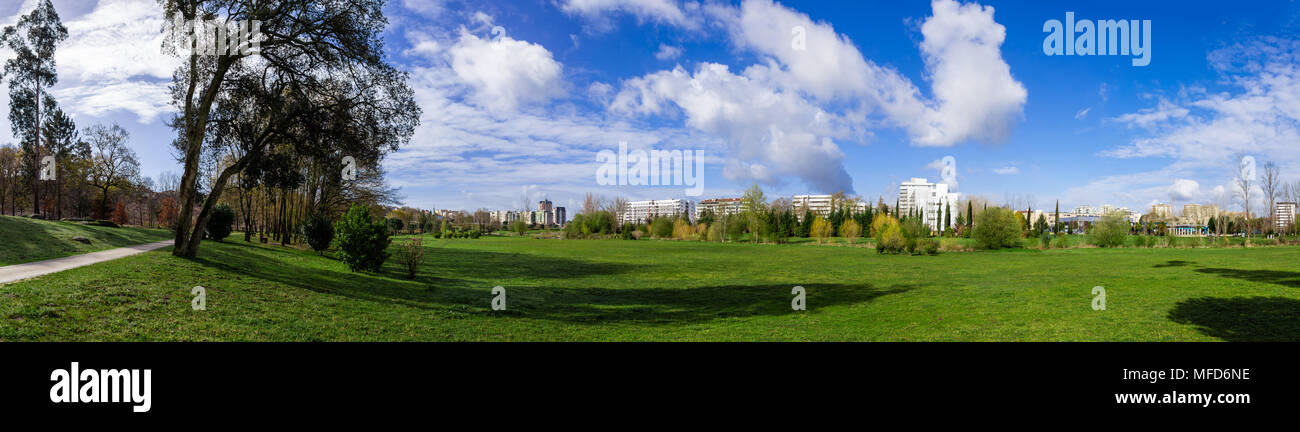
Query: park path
[[30, 270]]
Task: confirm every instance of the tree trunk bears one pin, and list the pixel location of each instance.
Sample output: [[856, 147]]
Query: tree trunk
[[36, 178]]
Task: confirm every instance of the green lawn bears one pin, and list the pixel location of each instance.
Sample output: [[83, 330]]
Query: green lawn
[[25, 240], [668, 290]]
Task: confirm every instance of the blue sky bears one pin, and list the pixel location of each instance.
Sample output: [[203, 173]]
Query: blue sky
[[519, 96]]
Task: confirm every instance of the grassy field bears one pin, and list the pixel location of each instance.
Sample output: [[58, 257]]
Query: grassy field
[[668, 290], [25, 240]]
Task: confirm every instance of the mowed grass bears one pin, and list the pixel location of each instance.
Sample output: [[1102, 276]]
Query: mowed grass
[[26, 240], [610, 290]]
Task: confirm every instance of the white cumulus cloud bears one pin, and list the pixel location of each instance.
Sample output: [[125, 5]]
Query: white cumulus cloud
[[504, 72]]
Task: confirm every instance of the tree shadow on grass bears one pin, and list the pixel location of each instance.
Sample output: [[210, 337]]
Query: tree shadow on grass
[[1242, 319], [1173, 263], [687, 305], [461, 289], [1284, 278]]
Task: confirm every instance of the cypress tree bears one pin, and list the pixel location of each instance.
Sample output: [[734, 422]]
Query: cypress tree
[[1056, 220]]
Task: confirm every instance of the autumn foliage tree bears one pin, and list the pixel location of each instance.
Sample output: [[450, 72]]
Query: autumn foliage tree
[[167, 212]]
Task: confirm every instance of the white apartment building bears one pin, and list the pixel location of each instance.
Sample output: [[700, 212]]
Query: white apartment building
[[719, 206], [821, 205], [559, 216], [505, 216], [639, 211], [931, 200], [817, 204], [1085, 210], [1162, 211], [1285, 214]]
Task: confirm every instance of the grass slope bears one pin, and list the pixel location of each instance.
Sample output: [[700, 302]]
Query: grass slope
[[665, 290], [26, 240]]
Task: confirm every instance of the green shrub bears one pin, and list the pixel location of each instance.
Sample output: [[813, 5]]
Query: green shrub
[[889, 235], [318, 231], [410, 254], [931, 247], [997, 228], [1062, 242], [1110, 231], [1046, 239], [661, 228], [220, 223], [362, 243], [395, 225]]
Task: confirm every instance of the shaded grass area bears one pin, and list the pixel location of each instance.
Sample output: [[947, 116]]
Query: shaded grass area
[[667, 290], [26, 240]]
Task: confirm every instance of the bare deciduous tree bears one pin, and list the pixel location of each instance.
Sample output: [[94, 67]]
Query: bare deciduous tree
[[1245, 180], [113, 164], [1271, 180]]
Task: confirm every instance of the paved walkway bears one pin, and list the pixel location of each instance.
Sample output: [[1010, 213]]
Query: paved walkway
[[30, 270]]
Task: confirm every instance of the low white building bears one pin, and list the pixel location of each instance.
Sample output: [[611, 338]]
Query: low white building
[[639, 211]]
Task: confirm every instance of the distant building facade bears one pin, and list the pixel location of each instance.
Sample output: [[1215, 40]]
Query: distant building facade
[[559, 216], [718, 206], [936, 205], [1284, 215], [639, 211]]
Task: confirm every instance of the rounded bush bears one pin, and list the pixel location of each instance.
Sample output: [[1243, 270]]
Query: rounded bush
[[997, 228], [220, 223], [318, 231]]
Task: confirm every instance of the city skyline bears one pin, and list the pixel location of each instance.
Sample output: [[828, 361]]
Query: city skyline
[[519, 98]]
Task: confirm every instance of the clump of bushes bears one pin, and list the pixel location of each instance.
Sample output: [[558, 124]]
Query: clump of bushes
[[850, 230], [362, 242], [821, 229], [661, 228], [220, 223], [889, 235], [411, 254], [715, 232], [682, 230], [318, 231], [1110, 231], [931, 247], [997, 228]]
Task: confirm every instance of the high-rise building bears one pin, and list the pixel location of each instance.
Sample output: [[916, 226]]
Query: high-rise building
[[1284, 215], [1199, 214], [1162, 211], [639, 211], [559, 217], [936, 205], [548, 216]]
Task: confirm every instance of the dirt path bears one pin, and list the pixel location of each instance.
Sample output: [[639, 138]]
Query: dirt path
[[30, 270]]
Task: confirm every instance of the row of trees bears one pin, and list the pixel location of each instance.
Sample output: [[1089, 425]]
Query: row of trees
[[86, 162], [94, 173]]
